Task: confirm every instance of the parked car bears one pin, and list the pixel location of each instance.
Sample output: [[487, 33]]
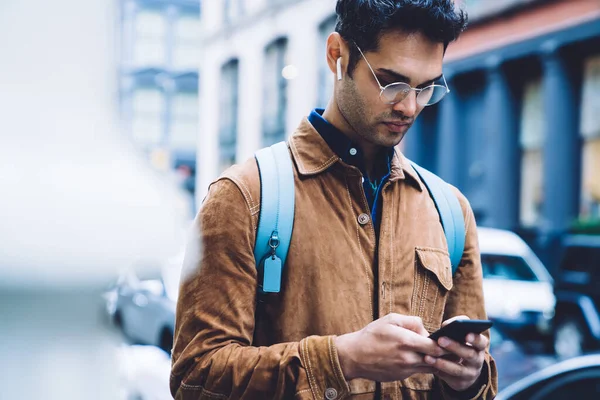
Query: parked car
[[576, 378], [518, 289], [578, 296], [145, 309]]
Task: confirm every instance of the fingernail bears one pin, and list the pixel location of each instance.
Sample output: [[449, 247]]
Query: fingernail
[[470, 338], [444, 342], [429, 360]]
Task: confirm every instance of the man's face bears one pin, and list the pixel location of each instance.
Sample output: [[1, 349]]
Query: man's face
[[401, 57]]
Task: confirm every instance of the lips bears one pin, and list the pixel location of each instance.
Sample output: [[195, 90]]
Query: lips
[[396, 126]]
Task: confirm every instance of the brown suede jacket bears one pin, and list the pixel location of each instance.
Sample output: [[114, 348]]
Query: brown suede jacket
[[233, 343]]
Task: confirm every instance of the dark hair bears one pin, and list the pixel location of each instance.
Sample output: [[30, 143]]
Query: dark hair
[[364, 21]]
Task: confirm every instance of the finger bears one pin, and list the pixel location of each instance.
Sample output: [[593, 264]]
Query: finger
[[422, 345], [425, 370], [411, 358], [448, 367], [410, 322], [479, 342], [464, 351], [446, 322]]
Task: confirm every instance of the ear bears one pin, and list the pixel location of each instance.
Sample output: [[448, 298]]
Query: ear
[[337, 54]]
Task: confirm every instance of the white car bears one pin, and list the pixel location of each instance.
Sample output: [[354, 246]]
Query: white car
[[145, 309], [518, 289]]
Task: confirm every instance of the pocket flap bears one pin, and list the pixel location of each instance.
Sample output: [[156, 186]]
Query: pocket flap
[[438, 262]]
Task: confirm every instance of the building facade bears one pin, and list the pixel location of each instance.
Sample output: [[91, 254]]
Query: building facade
[[158, 80], [519, 134], [263, 69]]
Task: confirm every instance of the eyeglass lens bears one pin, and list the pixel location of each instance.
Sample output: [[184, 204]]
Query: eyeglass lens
[[397, 92]]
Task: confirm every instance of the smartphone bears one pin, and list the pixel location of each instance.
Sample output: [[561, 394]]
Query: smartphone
[[459, 329]]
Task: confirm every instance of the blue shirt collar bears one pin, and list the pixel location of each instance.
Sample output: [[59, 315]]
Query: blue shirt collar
[[348, 151]]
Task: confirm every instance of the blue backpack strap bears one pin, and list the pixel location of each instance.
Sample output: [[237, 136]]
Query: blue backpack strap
[[450, 211], [276, 210]]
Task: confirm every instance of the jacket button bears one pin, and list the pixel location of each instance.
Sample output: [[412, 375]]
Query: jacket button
[[363, 219], [330, 393]]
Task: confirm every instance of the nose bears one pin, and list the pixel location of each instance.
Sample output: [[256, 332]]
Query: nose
[[408, 106]]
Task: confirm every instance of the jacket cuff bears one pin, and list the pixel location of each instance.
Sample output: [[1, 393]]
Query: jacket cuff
[[320, 360], [481, 389]]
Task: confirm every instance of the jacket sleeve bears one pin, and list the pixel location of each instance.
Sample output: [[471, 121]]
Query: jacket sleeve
[[213, 353], [466, 298]]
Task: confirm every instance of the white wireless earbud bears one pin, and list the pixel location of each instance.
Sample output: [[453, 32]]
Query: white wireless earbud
[[339, 69]]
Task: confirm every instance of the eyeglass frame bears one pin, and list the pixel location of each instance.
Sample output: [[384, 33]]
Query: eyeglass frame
[[417, 90]]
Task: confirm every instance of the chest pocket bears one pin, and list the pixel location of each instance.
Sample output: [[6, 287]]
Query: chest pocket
[[433, 281]]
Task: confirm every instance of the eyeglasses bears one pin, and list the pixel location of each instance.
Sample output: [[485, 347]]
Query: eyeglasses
[[398, 91]]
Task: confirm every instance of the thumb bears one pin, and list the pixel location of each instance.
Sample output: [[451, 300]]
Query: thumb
[[409, 322]]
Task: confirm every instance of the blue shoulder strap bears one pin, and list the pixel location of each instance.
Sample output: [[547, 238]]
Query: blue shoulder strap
[[450, 211], [276, 218]]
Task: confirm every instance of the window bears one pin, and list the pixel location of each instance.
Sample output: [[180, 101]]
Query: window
[[150, 38], [148, 109], [234, 10], [184, 125], [326, 78], [506, 267], [532, 155], [186, 53], [590, 132], [275, 97], [229, 114]]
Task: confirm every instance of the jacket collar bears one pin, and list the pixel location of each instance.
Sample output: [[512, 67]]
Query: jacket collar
[[312, 156]]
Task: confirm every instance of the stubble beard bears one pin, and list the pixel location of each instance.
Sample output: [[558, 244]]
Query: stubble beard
[[353, 109]]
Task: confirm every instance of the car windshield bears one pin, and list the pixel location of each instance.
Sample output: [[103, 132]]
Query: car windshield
[[506, 267]]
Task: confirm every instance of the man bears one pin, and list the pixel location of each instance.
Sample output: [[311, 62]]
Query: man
[[368, 275]]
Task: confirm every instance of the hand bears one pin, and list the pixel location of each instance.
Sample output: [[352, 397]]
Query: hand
[[388, 349], [461, 369]]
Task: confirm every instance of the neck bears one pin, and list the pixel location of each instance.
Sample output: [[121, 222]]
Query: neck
[[370, 151]]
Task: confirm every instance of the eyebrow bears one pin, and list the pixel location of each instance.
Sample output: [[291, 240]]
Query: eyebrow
[[403, 78]]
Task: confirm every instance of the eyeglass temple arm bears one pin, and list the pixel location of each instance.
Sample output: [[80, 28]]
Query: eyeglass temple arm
[[446, 84], [369, 65]]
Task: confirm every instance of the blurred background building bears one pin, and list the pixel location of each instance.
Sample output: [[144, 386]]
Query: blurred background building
[[159, 59], [79, 200], [263, 69], [520, 131]]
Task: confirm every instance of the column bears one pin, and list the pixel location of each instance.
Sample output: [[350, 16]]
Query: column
[[249, 102], [561, 153], [172, 16], [502, 134], [561, 148], [448, 144], [127, 51], [303, 40], [207, 154]]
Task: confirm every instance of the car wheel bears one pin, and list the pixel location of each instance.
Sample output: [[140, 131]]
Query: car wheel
[[166, 341], [569, 339]]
